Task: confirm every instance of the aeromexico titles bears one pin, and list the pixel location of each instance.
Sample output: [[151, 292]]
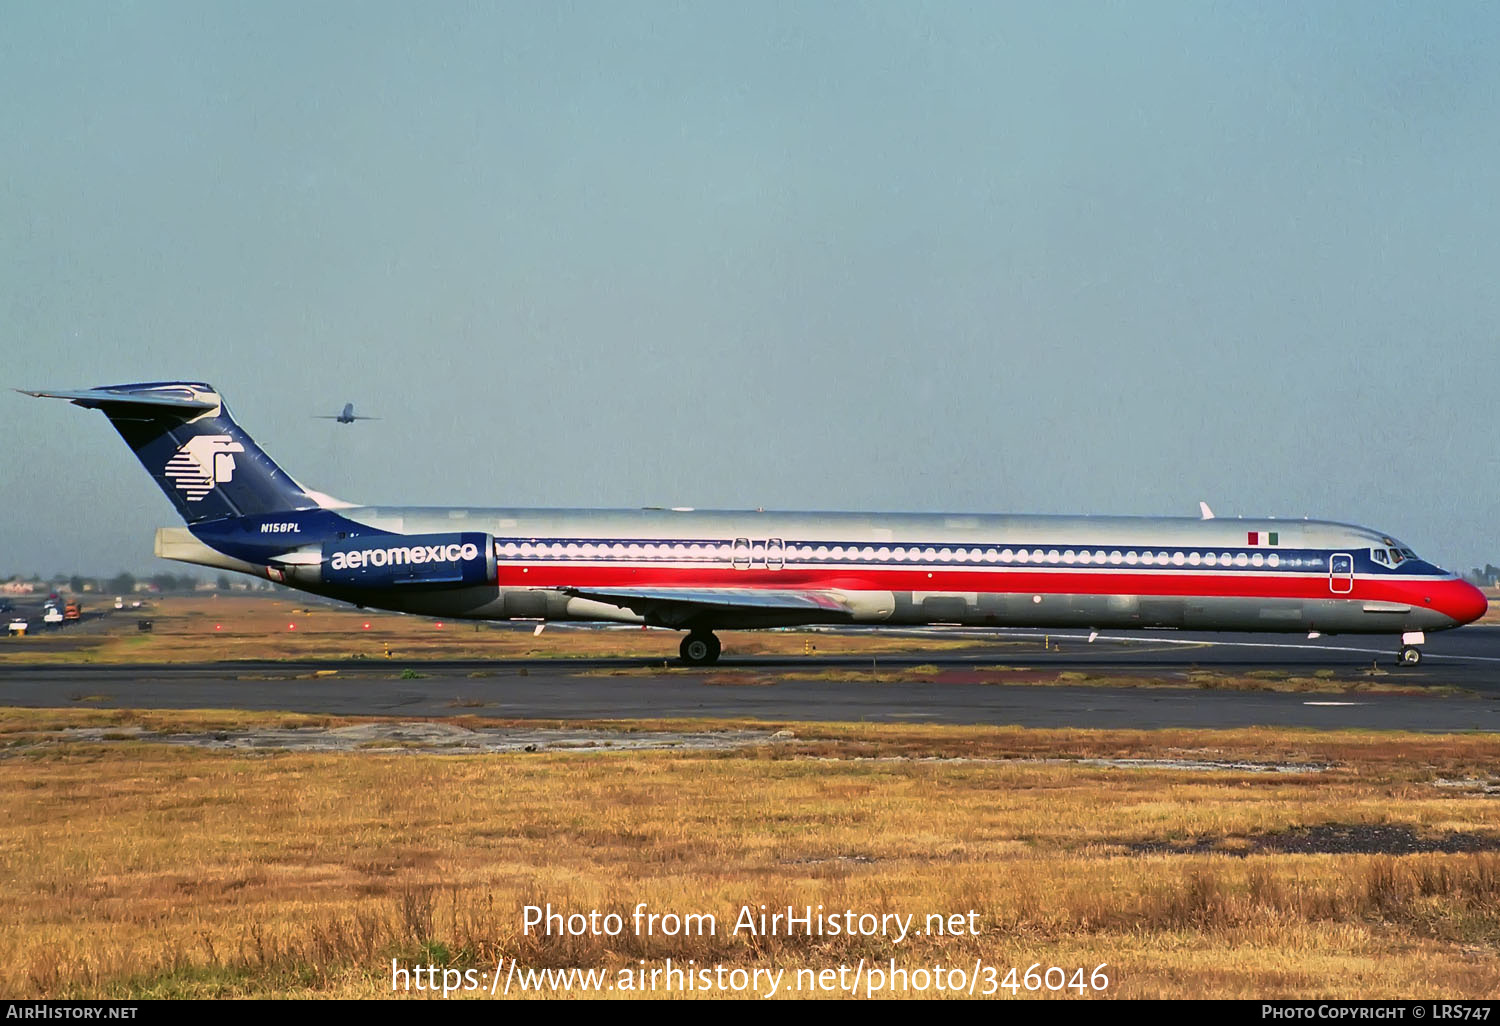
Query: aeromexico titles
[[699, 571]]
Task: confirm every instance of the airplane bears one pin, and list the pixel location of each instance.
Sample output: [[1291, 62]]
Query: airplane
[[344, 416], [706, 571]]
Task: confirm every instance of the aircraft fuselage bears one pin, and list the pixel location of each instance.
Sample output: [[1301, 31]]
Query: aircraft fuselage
[[1014, 570]]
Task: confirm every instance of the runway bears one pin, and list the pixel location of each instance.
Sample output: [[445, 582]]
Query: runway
[[1005, 678]]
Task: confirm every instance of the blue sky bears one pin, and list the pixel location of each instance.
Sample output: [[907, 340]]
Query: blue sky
[[1106, 258]]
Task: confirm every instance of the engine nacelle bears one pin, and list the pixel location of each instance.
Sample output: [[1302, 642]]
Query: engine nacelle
[[395, 560]]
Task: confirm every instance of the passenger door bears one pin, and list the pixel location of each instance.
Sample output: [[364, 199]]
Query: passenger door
[[1341, 573]]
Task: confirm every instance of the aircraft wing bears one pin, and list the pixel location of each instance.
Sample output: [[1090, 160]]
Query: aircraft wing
[[681, 606]]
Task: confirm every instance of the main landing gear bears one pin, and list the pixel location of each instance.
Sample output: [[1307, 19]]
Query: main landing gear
[[699, 648]]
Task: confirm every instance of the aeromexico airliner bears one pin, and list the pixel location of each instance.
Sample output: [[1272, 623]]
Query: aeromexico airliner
[[705, 571]]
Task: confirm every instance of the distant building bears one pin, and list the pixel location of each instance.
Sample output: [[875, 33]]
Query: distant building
[[1489, 577]]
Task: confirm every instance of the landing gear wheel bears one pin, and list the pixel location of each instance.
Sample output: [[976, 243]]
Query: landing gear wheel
[[1409, 655], [699, 649]]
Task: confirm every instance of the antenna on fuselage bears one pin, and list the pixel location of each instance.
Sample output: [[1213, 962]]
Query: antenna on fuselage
[[1208, 514]]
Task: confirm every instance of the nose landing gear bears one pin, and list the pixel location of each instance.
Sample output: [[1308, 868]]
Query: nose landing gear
[[1409, 654], [699, 648]]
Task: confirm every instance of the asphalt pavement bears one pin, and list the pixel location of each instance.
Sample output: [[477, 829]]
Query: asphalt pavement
[[1164, 679]]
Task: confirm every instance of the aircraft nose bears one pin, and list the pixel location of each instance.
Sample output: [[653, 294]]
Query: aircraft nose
[[1461, 601]]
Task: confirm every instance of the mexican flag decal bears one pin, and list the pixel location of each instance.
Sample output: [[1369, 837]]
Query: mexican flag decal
[[1263, 538]]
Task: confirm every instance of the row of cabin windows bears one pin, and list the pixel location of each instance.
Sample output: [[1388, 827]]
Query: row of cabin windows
[[869, 553]]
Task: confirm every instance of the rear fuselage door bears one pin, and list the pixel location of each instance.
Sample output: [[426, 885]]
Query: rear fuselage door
[[1341, 573]]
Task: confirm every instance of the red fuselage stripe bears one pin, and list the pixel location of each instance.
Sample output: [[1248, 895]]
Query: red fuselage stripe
[[1240, 584]]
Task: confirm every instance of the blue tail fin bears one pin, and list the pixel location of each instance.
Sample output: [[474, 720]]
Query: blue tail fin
[[199, 456]]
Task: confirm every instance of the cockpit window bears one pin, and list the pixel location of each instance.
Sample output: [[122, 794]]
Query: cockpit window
[[1391, 556]]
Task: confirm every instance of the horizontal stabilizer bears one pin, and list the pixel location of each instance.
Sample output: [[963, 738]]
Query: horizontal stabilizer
[[184, 398]]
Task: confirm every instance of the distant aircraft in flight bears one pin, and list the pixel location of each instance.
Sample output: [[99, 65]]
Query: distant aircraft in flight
[[700, 572], [345, 416]]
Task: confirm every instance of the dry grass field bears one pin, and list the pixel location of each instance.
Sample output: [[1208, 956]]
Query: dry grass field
[[1369, 866]]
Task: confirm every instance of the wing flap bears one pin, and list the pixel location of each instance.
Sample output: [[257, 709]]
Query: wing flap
[[680, 606]]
